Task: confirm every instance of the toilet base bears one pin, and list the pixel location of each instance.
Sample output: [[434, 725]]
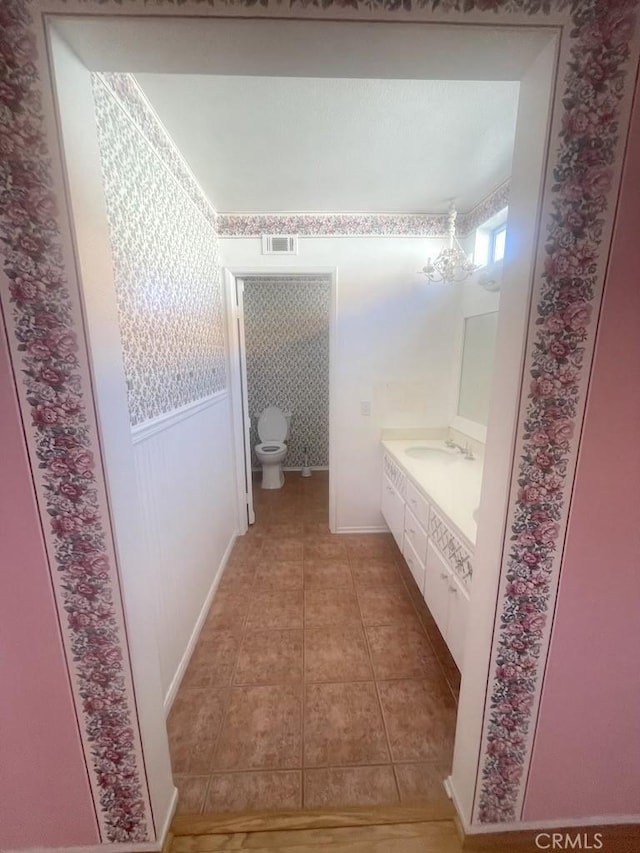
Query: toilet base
[[272, 476]]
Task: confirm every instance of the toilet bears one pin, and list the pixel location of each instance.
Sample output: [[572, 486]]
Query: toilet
[[273, 429]]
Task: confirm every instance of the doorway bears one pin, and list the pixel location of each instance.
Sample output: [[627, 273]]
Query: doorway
[[281, 330], [525, 207]]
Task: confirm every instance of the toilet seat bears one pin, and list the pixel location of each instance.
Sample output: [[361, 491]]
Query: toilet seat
[[271, 447], [272, 426]]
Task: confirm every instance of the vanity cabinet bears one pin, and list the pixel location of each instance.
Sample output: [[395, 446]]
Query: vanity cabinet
[[438, 559], [448, 602], [393, 510]]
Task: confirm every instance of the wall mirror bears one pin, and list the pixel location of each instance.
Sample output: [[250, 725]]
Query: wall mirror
[[478, 349]]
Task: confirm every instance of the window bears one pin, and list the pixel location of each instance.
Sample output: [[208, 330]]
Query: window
[[498, 240], [491, 240]]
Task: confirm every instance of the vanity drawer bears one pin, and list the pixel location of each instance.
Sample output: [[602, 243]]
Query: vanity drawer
[[417, 504], [416, 565], [415, 534]]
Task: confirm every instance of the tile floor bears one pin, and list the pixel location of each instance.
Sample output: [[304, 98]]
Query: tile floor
[[319, 678]]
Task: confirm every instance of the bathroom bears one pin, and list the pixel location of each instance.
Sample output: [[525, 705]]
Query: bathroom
[[311, 670]]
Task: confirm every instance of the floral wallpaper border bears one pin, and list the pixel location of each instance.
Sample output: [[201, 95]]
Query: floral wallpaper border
[[40, 305], [361, 224]]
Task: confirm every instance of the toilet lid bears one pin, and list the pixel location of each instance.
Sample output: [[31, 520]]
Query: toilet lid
[[272, 425]]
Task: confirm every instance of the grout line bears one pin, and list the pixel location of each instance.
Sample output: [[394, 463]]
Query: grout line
[[436, 655], [233, 675], [377, 692]]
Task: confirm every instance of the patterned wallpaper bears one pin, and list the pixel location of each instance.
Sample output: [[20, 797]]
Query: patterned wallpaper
[[165, 258], [287, 343]]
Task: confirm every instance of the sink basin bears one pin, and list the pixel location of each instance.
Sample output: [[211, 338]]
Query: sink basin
[[433, 453]]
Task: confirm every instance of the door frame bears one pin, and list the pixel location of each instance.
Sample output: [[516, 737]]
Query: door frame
[[243, 456]]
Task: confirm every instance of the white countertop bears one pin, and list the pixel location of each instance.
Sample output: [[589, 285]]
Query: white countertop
[[452, 482]]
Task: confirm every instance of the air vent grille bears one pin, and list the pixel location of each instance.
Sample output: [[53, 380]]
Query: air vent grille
[[279, 244]]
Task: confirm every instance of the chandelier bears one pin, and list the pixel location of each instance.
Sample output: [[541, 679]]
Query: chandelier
[[452, 265]]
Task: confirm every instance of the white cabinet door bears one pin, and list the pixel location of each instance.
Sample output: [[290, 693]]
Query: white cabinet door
[[416, 566], [436, 588], [415, 533], [457, 620], [393, 510]]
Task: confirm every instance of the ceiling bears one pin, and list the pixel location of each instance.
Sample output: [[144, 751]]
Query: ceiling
[[316, 144]]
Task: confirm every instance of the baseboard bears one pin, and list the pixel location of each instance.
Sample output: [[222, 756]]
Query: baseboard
[[195, 634], [361, 530], [166, 835]]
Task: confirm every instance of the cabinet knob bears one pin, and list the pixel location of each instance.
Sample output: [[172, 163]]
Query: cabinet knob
[[453, 589], [412, 531], [444, 576], [390, 490]]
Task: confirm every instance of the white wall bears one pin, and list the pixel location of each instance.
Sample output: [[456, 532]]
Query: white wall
[[393, 347], [186, 492]]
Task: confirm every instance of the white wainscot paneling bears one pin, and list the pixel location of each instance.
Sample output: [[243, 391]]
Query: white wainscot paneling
[[186, 481]]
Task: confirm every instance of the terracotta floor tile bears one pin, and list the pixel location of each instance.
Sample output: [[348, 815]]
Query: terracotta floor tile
[[401, 651], [336, 653], [237, 577], [343, 725], [276, 609], [213, 660], [270, 657], [240, 746], [248, 546], [324, 548], [285, 529], [262, 729], [193, 728], [330, 607], [192, 791], [327, 574], [381, 545], [312, 515], [385, 605], [367, 573], [420, 717], [349, 786], [285, 550], [316, 528], [258, 790], [422, 782], [272, 574], [228, 612]]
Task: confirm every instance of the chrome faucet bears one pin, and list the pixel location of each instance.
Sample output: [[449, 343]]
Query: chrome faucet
[[466, 450]]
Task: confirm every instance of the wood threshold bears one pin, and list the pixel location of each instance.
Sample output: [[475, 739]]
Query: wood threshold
[[270, 821]]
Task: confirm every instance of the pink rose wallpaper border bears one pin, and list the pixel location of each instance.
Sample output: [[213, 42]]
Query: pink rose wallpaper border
[[63, 443], [51, 361]]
